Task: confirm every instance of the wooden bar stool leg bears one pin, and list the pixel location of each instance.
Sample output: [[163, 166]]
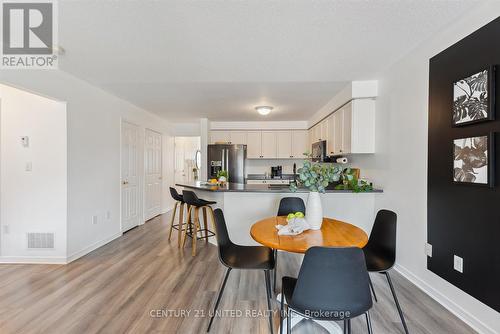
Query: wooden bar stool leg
[[196, 224], [205, 223], [190, 209], [172, 221], [181, 225]]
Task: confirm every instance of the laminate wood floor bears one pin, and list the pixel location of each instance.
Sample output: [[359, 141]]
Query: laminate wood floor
[[141, 283]]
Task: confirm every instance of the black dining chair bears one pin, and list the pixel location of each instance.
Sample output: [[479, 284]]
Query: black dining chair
[[287, 205], [332, 285], [234, 256], [380, 252]]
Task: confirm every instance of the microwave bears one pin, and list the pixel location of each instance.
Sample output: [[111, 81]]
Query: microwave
[[319, 151]]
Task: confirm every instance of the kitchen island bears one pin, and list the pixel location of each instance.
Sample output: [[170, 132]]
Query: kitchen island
[[244, 204]]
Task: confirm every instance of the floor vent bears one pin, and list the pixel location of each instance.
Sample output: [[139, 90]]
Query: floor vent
[[40, 240]]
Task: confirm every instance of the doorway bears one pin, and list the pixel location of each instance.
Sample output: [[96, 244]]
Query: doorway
[[153, 174], [187, 159], [130, 194]]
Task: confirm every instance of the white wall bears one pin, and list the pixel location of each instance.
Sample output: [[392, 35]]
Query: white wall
[[93, 126], [32, 201], [400, 164]]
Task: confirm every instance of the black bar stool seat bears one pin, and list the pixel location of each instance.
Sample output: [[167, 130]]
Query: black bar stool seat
[[194, 230]]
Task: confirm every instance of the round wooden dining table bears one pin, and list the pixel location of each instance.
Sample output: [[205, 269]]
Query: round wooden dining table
[[333, 233]]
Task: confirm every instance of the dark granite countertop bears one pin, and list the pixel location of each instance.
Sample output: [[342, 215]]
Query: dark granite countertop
[[260, 188]]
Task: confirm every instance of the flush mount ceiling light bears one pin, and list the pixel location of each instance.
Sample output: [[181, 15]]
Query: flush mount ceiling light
[[264, 110]]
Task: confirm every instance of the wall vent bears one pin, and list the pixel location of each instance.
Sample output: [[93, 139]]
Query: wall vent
[[40, 240]]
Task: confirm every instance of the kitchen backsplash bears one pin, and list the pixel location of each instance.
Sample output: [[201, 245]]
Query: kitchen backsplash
[[263, 166]]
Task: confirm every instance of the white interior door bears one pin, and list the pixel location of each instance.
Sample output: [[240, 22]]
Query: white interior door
[[153, 175], [130, 201]]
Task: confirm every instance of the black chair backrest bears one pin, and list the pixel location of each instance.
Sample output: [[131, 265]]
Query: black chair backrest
[[291, 205], [190, 197], [333, 280], [221, 230], [175, 195], [383, 236]]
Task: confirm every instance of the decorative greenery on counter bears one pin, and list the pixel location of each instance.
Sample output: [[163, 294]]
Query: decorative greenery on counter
[[315, 176], [351, 182]]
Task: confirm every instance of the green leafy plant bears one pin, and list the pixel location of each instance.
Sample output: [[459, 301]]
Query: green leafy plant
[[222, 173], [316, 176], [351, 182]]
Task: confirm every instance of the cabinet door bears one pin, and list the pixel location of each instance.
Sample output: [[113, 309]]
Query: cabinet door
[[254, 145], [269, 145], [346, 128], [323, 130], [337, 132], [330, 136], [300, 144], [284, 140], [238, 137], [219, 137]]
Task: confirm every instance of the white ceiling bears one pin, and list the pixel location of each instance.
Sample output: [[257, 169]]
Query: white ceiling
[[218, 59]]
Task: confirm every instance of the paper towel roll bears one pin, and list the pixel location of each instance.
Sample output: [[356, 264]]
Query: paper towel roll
[[342, 160]]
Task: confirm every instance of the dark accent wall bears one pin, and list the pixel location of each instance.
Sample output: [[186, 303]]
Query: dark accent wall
[[463, 219]]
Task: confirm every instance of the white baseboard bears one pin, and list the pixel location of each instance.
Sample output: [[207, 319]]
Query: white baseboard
[[451, 306], [91, 248], [32, 260]]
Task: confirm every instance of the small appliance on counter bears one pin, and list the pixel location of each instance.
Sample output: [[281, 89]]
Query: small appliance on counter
[[319, 151], [276, 172]]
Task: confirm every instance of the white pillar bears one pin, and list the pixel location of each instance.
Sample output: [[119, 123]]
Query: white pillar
[[204, 132]]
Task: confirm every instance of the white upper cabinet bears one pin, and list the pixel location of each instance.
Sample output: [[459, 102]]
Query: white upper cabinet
[[254, 145], [238, 137], [269, 145], [352, 128], [330, 138], [284, 140], [300, 144], [220, 137]]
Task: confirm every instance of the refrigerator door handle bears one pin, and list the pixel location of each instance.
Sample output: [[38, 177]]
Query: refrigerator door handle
[[223, 159], [227, 161]]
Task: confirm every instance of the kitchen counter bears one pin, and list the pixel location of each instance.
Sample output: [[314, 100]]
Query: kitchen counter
[[245, 204], [259, 188]]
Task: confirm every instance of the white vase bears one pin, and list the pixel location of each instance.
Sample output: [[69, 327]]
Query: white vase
[[314, 211]]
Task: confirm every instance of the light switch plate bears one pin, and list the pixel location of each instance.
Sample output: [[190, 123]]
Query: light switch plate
[[29, 166], [428, 249], [458, 263], [94, 220]]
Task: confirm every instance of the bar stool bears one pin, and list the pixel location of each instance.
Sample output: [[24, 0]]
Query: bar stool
[[196, 204], [179, 202]]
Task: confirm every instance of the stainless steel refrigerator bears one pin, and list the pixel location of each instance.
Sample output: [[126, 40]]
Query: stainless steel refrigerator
[[230, 158]]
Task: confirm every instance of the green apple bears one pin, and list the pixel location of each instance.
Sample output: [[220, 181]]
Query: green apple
[[290, 216], [299, 215]]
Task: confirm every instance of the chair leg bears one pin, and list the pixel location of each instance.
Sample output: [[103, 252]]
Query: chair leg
[[196, 224], [282, 309], [172, 220], [372, 288], [369, 322], [221, 290], [269, 296], [205, 223], [347, 326], [181, 225], [275, 269], [396, 301], [288, 320], [188, 224]]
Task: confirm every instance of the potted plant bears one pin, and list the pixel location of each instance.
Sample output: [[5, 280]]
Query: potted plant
[[315, 177], [222, 176], [351, 182]]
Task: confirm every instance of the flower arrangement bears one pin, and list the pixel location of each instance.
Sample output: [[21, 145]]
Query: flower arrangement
[[316, 176]]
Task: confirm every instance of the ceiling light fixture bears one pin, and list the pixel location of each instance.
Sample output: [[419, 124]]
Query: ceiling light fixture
[[264, 110]]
